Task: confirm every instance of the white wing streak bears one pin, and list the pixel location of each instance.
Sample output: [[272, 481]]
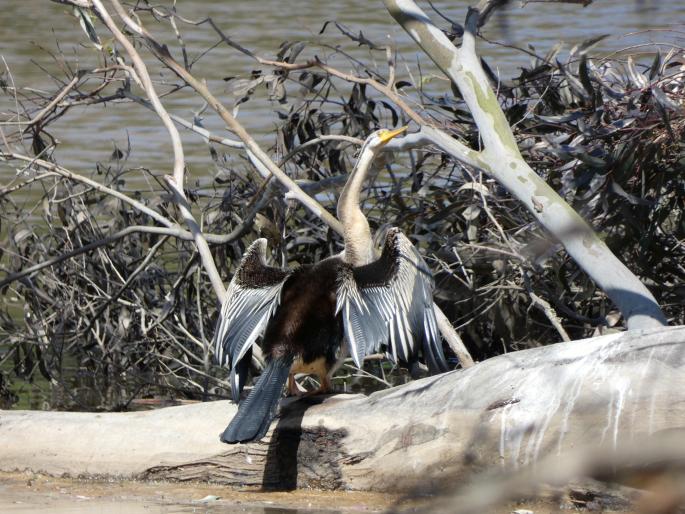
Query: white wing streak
[[251, 299], [390, 303]]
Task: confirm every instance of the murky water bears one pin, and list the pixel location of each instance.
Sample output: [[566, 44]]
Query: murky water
[[30, 27]]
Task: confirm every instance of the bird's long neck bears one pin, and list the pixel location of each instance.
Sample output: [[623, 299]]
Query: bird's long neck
[[357, 233]]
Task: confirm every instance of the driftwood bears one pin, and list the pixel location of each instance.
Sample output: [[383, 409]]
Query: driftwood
[[504, 413]]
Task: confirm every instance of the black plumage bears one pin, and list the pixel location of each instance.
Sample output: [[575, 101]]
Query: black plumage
[[304, 316]]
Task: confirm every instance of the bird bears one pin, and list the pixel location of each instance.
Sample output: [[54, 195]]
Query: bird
[[309, 318]]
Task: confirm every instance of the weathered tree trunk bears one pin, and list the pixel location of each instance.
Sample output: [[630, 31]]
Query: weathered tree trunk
[[502, 160], [504, 412]]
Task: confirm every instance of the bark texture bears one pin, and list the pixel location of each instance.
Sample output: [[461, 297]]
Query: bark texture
[[502, 160], [505, 412]]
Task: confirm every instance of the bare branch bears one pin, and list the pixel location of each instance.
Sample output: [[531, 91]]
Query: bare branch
[[251, 145], [128, 282], [53, 103], [502, 160], [84, 4], [176, 182], [91, 183]]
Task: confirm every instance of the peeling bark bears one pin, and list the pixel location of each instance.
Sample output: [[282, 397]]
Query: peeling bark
[[502, 160], [505, 412]]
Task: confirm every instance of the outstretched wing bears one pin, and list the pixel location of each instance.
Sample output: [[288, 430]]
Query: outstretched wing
[[251, 299], [389, 302]]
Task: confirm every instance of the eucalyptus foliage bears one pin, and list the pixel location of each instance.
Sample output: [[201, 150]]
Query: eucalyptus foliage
[[117, 320]]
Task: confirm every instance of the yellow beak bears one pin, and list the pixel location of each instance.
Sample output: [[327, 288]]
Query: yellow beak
[[389, 134]]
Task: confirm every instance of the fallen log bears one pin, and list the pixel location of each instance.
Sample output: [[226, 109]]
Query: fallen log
[[505, 412]]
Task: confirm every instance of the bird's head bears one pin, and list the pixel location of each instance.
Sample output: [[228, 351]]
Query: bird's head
[[380, 138]]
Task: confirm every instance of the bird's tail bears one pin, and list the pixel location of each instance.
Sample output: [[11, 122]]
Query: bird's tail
[[256, 412]]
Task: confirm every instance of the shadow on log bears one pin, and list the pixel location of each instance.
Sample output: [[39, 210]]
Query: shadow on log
[[504, 413]]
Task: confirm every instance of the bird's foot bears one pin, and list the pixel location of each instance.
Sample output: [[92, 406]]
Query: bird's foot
[[295, 389], [324, 388]]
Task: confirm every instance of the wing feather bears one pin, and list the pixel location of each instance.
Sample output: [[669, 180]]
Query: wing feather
[[389, 303], [251, 299]]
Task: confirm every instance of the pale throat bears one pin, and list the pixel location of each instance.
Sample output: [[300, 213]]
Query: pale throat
[[357, 233], [358, 241]]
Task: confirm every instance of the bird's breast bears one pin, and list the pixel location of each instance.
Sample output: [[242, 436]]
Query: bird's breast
[[319, 366]]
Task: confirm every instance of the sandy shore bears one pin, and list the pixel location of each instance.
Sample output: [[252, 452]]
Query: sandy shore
[[23, 493], [30, 492]]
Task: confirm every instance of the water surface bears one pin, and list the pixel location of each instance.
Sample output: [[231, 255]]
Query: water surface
[[30, 31]]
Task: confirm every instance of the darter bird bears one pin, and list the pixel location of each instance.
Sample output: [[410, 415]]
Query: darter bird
[[303, 315]]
